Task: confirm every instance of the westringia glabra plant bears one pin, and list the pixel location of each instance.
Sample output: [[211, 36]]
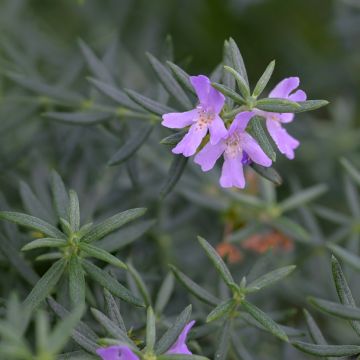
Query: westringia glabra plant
[[74, 245]]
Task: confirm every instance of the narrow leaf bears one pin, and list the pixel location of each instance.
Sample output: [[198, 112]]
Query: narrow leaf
[[110, 283], [222, 346], [32, 223], [45, 285], [74, 211], [264, 320], [164, 293], [181, 76], [79, 118], [60, 195], [310, 105], [194, 288], [268, 173], [113, 310], [140, 284], [264, 79], [277, 105], [221, 310], [237, 59], [217, 261], [327, 350], [76, 282], [44, 242], [241, 82], [351, 170], [150, 329], [131, 146], [229, 93], [348, 257], [111, 224]]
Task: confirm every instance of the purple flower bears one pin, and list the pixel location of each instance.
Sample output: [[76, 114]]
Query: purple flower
[[284, 90], [180, 347], [205, 116], [238, 148], [117, 353], [125, 353]]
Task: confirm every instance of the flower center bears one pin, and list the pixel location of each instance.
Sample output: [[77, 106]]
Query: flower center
[[205, 117], [233, 145]]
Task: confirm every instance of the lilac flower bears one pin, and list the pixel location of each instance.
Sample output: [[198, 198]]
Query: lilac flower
[[201, 119], [117, 353], [180, 347], [238, 148], [284, 90], [123, 352]]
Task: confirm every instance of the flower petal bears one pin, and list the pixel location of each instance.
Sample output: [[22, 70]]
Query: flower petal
[[179, 120], [285, 142], [255, 152], [116, 353], [298, 95], [241, 121], [232, 172], [208, 156], [191, 141], [201, 84], [217, 130], [211, 99], [180, 347], [285, 87]]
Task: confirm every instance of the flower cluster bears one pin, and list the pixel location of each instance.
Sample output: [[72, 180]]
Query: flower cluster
[[230, 139], [123, 352]]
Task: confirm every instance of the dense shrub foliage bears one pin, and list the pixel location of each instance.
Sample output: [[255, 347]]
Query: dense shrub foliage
[[195, 202]]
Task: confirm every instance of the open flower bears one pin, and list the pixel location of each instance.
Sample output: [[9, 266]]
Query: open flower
[[238, 149], [284, 90], [205, 116], [122, 352]]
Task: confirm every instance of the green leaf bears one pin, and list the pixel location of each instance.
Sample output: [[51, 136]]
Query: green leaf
[[140, 284], [132, 145], [327, 350], [343, 290], [245, 199], [76, 282], [351, 170], [177, 167], [32, 204], [95, 65], [302, 197], [169, 83], [79, 118], [173, 332], [277, 105], [125, 236], [217, 261], [40, 88], [291, 228], [264, 79], [174, 138], [194, 288], [113, 310], [45, 285], [241, 82], [223, 309], [314, 330], [82, 334], [164, 293], [256, 129], [338, 310], [60, 195], [226, 78], [150, 329], [116, 94], [270, 278], [111, 224], [222, 344], [18, 262], [111, 327], [268, 173], [310, 105], [229, 93], [266, 321], [237, 59], [348, 257], [62, 332], [110, 283], [32, 223], [74, 211], [148, 104], [44, 242], [181, 76], [98, 253]]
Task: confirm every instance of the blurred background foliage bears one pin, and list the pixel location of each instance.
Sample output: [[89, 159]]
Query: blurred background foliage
[[315, 40]]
